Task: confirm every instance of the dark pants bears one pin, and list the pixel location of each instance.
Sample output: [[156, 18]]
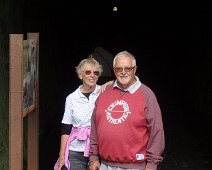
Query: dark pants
[[78, 161]]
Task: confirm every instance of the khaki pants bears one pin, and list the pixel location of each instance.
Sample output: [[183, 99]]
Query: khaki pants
[[105, 167]]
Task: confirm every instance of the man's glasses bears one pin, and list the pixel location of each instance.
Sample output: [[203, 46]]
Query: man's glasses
[[126, 69], [89, 72]]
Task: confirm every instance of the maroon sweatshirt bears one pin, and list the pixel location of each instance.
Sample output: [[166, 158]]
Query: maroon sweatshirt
[[127, 129]]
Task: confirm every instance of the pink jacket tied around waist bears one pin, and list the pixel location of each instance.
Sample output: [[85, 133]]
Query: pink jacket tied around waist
[[80, 134]]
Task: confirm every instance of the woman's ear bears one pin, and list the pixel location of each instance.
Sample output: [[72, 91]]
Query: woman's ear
[[80, 76]]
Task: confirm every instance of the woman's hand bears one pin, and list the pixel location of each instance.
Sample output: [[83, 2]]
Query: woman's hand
[[104, 86], [61, 162]]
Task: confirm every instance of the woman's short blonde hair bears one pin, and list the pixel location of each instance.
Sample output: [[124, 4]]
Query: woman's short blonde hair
[[90, 60]]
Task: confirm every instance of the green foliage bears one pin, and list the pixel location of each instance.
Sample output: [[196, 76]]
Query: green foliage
[[4, 104], [11, 17], [4, 147]]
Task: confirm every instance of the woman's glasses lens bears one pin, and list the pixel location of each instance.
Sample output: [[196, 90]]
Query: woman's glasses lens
[[88, 72]]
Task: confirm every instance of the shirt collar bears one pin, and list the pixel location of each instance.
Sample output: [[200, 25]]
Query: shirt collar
[[131, 88], [95, 92]]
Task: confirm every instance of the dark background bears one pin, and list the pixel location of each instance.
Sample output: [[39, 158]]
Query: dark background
[[172, 45]]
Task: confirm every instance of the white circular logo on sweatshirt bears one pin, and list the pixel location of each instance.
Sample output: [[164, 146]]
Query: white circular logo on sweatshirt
[[117, 112]]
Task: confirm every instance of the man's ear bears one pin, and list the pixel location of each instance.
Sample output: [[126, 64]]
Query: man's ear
[[135, 69]]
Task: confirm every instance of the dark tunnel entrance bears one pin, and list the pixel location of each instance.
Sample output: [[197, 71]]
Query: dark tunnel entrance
[[173, 57]]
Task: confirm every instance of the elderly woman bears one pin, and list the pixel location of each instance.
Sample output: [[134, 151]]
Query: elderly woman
[[76, 122]]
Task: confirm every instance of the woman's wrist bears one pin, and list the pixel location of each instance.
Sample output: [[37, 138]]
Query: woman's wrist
[[61, 154]]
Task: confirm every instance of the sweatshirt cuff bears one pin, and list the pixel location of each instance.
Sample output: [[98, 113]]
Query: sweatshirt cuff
[[93, 158], [151, 166]]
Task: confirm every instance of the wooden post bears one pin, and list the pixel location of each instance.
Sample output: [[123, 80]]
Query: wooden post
[[16, 108], [15, 102], [33, 121]]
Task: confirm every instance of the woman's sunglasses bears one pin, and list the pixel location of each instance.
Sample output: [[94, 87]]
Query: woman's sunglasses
[[89, 72]]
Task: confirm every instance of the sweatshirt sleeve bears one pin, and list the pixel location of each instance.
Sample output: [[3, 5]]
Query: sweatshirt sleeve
[[93, 152], [156, 143]]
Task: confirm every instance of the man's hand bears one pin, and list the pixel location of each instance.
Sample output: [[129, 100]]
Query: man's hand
[[95, 165]]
